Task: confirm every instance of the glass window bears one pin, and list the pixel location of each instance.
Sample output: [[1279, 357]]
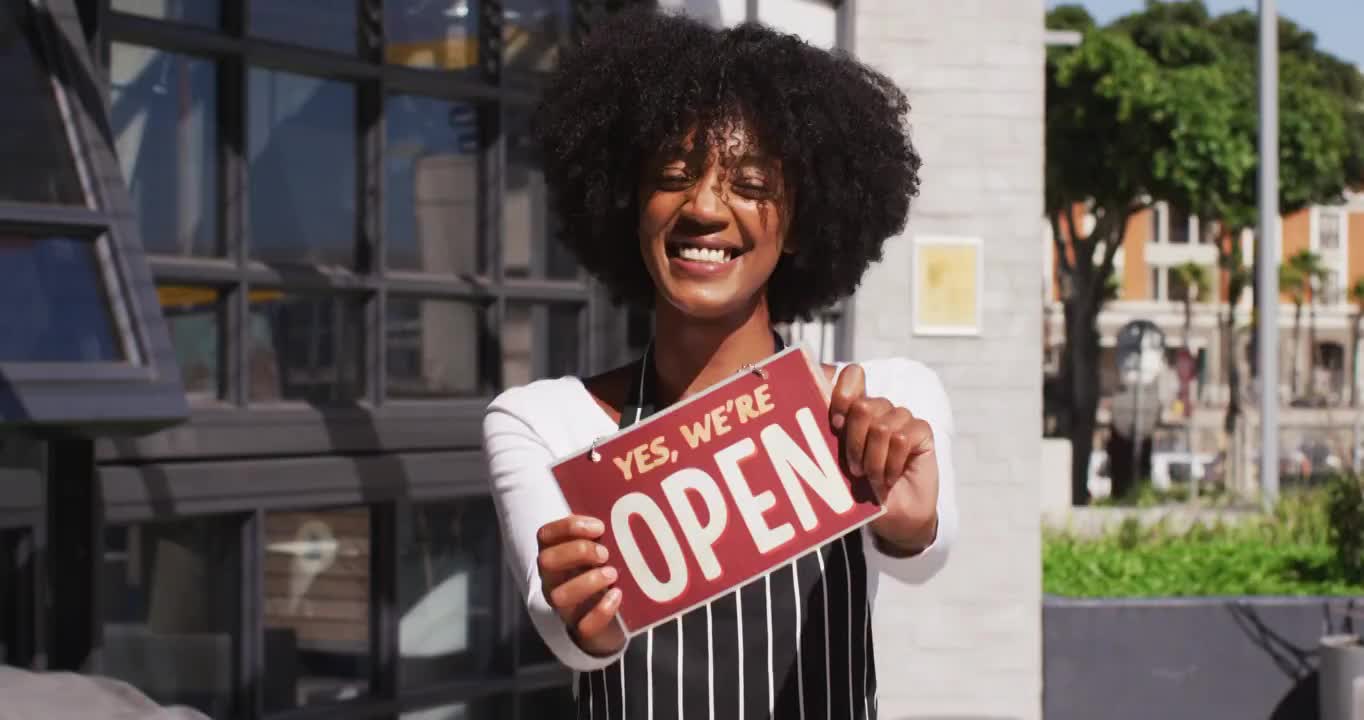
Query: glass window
[[550, 702], [539, 340], [533, 650], [321, 24], [448, 575], [1179, 226], [528, 248], [17, 601], [1328, 229], [53, 303], [494, 708], [301, 139], [437, 34], [34, 136], [305, 347], [163, 108], [534, 32], [432, 201], [434, 348], [194, 12], [172, 594], [317, 607], [194, 316], [1154, 288]]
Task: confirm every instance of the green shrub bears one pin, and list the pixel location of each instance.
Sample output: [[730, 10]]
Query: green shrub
[[1297, 550], [1345, 513]]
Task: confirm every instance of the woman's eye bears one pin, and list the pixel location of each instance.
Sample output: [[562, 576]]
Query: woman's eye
[[674, 177]]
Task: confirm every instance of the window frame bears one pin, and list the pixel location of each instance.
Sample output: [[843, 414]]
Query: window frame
[[216, 427], [144, 393]]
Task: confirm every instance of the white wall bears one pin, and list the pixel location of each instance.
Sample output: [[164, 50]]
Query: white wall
[[968, 644]]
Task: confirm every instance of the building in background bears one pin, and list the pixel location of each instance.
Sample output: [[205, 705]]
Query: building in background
[[276, 256], [1147, 287]]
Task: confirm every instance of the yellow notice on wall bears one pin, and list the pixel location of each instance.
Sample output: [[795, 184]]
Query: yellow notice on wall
[[947, 290]]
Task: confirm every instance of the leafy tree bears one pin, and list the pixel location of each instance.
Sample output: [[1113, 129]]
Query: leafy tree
[[1102, 101], [1312, 271], [1161, 104]]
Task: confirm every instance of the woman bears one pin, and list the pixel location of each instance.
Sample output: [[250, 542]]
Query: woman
[[729, 180]]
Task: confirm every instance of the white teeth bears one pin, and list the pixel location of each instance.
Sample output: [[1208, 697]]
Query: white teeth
[[706, 255]]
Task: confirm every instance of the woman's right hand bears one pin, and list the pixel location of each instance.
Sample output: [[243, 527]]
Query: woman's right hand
[[577, 584]]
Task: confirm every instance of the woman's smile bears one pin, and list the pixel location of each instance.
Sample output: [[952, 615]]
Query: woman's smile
[[703, 257]]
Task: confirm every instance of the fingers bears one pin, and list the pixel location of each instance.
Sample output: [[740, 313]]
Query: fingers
[[913, 438], [597, 620], [862, 415], [881, 459], [582, 588], [572, 527], [571, 555], [850, 387]]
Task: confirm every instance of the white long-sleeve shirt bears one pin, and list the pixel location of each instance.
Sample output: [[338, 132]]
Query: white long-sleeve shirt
[[528, 428]]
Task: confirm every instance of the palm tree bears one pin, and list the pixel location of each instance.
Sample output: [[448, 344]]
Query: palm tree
[[1193, 277], [1357, 297], [1291, 281], [1311, 271]]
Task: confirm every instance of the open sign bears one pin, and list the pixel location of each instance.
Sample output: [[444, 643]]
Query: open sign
[[718, 490]]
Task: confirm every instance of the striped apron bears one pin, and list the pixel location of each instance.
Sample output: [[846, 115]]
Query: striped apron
[[795, 644]]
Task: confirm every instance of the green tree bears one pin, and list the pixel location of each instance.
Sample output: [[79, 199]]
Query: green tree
[[1102, 100], [1161, 104]]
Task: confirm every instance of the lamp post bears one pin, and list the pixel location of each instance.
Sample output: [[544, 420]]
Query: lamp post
[[1266, 254]]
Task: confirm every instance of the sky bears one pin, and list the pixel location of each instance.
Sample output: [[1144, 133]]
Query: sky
[[1338, 24]]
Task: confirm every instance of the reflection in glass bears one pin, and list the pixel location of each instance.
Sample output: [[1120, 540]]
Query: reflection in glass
[[539, 340], [316, 607], [496, 708], [17, 616], [34, 136], [448, 573], [534, 32], [305, 347], [301, 142], [433, 348], [194, 12], [431, 166], [437, 34], [163, 108], [171, 596], [321, 24], [551, 702], [194, 318], [53, 304], [533, 650], [527, 246]]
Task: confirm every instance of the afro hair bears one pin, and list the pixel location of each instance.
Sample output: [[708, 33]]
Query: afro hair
[[644, 79]]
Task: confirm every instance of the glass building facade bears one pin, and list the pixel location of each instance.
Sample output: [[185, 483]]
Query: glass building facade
[[262, 265]]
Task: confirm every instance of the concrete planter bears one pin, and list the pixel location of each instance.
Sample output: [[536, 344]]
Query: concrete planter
[[1342, 677], [1194, 658]]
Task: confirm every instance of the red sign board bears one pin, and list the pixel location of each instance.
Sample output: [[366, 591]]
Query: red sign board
[[718, 490]]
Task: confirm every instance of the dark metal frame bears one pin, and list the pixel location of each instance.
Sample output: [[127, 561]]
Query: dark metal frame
[[144, 393], [238, 457]]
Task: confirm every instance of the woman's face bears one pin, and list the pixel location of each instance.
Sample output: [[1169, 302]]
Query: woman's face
[[711, 233]]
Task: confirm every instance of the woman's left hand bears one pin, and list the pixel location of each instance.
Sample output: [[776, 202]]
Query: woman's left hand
[[893, 450]]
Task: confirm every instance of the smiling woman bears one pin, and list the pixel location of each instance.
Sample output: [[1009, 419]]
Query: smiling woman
[[727, 181]]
